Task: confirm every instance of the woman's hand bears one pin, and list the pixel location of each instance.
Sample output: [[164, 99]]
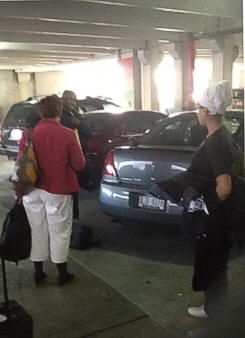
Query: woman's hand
[[223, 187]]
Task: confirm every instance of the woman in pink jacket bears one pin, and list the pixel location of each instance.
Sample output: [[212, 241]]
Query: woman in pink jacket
[[49, 205]]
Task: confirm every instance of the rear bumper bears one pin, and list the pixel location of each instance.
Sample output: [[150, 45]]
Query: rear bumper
[[2, 151], [114, 201], [9, 151]]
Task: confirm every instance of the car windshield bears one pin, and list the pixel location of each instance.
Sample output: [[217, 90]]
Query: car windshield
[[18, 115], [99, 122]]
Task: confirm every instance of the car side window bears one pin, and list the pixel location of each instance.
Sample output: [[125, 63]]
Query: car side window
[[135, 125], [236, 127], [239, 136], [151, 120], [172, 134], [139, 123], [100, 122], [182, 132], [232, 124]]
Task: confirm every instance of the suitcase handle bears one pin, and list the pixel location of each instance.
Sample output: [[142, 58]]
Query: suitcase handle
[[5, 286]]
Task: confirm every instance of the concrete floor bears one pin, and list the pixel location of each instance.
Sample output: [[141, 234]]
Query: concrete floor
[[137, 284]]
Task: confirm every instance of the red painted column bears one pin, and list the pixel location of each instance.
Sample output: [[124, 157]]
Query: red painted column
[[127, 64]]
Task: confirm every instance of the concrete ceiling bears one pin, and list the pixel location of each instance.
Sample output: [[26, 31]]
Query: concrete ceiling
[[51, 33]]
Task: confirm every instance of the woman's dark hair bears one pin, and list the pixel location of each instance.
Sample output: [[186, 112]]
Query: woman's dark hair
[[50, 107]]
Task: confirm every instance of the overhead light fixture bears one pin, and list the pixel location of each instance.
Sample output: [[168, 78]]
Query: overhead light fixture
[[3, 45]]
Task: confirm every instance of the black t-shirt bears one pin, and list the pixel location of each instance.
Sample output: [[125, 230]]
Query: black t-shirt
[[215, 155], [66, 119], [84, 130]]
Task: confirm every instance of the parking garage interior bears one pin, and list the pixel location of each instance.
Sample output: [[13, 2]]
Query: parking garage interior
[[142, 55], [47, 47]]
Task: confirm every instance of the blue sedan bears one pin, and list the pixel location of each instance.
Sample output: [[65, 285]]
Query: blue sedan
[[130, 171]]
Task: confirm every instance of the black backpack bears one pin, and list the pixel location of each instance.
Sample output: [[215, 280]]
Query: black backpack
[[15, 240]]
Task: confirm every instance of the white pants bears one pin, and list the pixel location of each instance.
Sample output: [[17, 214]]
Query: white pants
[[50, 217]]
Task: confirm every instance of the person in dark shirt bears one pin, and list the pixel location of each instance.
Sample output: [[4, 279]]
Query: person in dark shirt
[[213, 160], [72, 119]]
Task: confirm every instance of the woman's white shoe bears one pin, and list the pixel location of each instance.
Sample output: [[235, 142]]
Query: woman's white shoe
[[197, 312]]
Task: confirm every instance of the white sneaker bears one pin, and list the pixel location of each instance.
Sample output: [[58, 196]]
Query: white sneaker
[[197, 312]]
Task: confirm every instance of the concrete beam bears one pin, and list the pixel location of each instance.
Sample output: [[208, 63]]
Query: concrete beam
[[113, 15], [87, 30], [39, 58], [28, 47], [24, 63], [46, 54], [70, 40], [221, 8]]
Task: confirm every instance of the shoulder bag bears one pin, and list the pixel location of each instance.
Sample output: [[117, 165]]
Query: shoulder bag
[[26, 169]]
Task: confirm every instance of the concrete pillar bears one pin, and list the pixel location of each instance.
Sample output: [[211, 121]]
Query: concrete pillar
[[178, 85], [48, 83], [146, 86], [224, 54], [188, 59], [144, 56], [175, 49], [156, 58], [137, 81], [8, 92], [150, 59], [184, 56], [25, 85]]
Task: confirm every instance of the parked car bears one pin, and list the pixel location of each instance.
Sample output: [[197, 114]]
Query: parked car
[[96, 103], [15, 121], [110, 129], [130, 171]]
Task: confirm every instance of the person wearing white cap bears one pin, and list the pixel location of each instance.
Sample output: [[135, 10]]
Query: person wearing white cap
[[213, 160]]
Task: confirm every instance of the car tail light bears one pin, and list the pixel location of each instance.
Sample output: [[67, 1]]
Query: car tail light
[[109, 168]]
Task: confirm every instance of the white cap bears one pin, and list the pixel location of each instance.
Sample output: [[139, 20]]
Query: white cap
[[217, 98]]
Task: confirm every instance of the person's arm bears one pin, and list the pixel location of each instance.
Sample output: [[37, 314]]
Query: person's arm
[[76, 156], [84, 130], [221, 159], [223, 186]]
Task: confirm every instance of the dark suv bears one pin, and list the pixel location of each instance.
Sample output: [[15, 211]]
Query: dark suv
[[15, 121]]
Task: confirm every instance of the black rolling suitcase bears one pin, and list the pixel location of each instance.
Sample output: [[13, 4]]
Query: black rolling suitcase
[[82, 237], [15, 322]]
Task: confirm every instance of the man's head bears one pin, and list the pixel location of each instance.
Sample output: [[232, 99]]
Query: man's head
[[69, 100], [50, 107], [214, 101], [216, 98]]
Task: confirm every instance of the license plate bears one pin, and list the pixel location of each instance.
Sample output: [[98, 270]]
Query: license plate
[[151, 202]]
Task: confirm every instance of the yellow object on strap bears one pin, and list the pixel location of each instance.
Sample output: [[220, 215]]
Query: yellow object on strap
[[77, 135]]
